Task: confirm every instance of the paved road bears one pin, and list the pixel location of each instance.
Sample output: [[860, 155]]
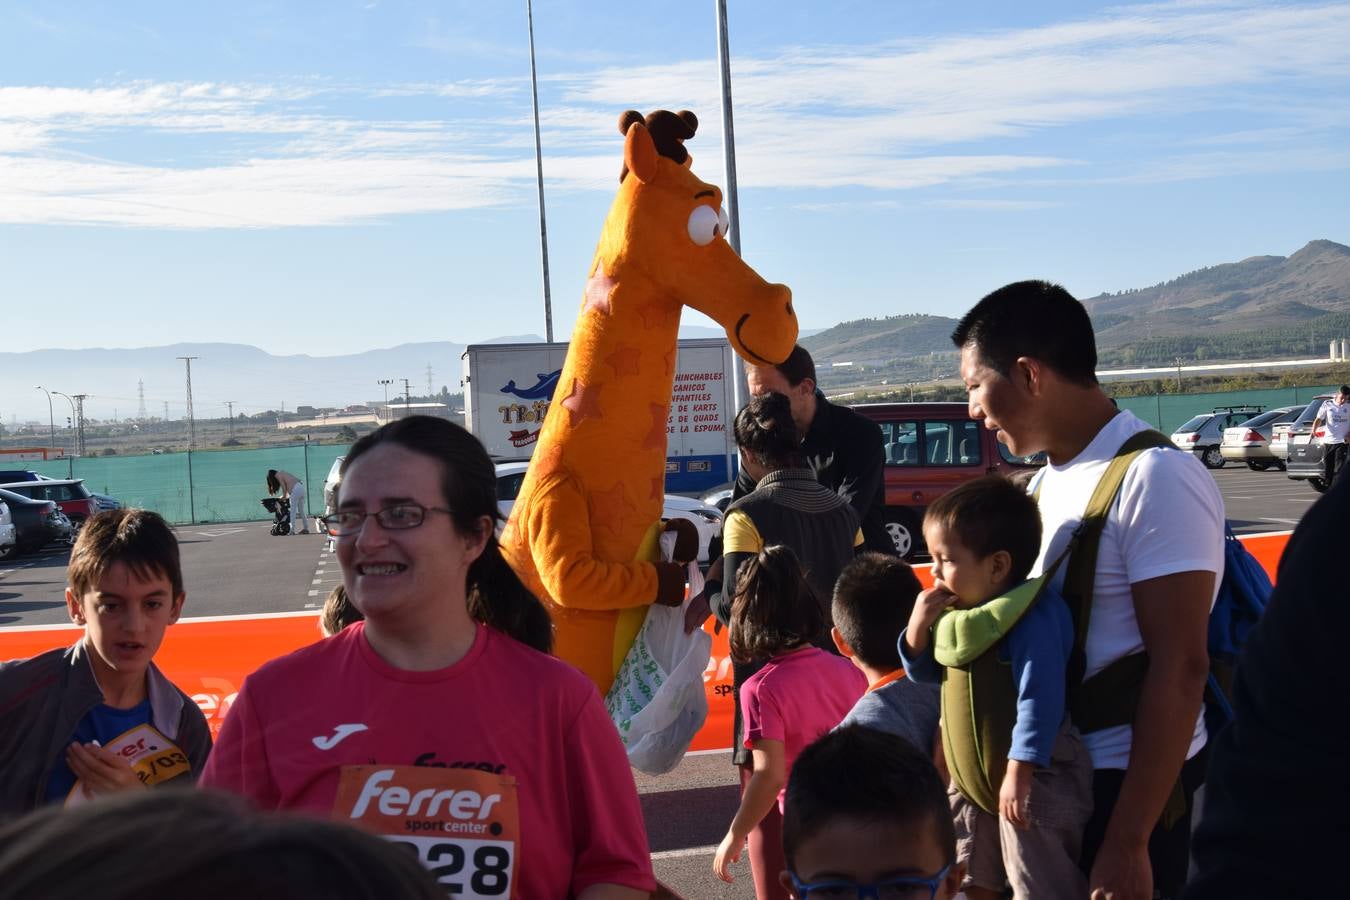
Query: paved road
[[241, 569]]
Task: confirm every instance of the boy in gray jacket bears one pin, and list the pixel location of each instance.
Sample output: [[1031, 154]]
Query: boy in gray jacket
[[99, 717]]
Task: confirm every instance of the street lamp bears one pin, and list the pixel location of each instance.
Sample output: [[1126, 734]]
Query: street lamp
[[72, 411], [385, 382], [51, 417]]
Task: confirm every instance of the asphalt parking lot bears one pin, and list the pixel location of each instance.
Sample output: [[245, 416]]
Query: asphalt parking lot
[[240, 569]]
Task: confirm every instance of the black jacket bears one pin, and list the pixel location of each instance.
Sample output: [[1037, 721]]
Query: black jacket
[[844, 449], [1279, 783]]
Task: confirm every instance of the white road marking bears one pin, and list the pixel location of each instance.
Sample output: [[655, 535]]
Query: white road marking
[[317, 581], [1284, 521], [685, 852], [313, 594], [223, 532]]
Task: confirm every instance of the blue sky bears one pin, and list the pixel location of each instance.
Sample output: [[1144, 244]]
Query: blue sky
[[332, 177]]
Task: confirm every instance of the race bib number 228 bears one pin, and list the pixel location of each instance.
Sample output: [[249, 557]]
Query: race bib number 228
[[463, 825]]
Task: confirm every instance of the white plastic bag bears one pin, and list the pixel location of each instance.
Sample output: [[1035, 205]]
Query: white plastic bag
[[658, 701]]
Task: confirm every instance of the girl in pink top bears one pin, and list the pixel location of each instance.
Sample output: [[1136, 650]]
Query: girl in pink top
[[801, 693]]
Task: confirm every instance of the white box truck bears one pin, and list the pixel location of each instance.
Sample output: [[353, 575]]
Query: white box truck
[[508, 389]]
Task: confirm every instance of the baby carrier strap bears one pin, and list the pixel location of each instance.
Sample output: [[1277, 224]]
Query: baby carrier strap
[[1109, 697]]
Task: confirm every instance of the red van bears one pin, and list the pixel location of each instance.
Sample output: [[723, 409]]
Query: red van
[[931, 448]]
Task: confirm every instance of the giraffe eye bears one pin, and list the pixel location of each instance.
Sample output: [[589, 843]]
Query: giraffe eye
[[703, 225]]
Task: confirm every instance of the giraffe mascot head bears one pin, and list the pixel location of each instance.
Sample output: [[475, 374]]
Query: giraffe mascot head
[[583, 532]]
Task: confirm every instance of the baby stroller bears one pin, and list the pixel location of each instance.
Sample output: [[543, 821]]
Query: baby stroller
[[280, 508]]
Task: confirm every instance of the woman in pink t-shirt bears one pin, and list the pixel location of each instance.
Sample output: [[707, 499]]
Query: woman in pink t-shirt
[[440, 722], [800, 693]]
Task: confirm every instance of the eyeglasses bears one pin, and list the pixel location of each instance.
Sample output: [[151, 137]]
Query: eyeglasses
[[392, 518], [907, 888]]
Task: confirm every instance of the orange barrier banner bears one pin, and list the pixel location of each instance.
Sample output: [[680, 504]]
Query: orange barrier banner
[[208, 658]]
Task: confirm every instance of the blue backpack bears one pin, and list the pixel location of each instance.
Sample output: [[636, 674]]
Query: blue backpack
[[1243, 595]]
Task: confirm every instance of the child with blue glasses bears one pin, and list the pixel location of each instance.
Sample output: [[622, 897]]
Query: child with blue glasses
[[866, 817]]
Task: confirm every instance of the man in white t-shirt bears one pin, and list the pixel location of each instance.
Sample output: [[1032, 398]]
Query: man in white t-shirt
[[1335, 414], [1028, 360]]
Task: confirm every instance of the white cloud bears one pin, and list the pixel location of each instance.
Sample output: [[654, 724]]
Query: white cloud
[[890, 116]]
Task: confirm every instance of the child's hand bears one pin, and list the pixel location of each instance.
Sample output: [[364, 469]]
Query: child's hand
[[927, 607], [100, 770], [1013, 793], [728, 852]]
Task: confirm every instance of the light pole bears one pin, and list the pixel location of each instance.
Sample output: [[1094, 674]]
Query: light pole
[[539, 172], [385, 382], [70, 459], [51, 417]]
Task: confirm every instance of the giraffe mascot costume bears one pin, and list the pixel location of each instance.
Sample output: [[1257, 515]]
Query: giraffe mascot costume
[[583, 533]]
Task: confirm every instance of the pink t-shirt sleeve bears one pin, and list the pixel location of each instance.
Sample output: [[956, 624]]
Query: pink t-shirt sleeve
[[763, 718], [610, 839], [238, 761]]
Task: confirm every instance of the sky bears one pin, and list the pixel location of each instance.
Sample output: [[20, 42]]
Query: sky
[[330, 177]]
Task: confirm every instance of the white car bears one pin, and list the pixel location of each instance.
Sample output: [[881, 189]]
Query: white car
[[707, 519], [7, 535]]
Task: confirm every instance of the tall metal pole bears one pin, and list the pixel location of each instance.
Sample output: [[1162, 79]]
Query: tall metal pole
[[230, 404], [407, 398], [539, 170], [728, 132], [729, 193], [79, 426], [192, 424], [72, 420], [51, 417], [385, 382]]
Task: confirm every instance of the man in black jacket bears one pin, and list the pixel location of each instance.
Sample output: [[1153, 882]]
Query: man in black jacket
[[842, 447]]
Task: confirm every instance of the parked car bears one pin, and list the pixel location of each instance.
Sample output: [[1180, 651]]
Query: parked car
[[1203, 434], [707, 519], [1250, 441], [105, 502], [69, 494], [36, 522], [931, 448], [7, 540], [1304, 462], [1279, 439]]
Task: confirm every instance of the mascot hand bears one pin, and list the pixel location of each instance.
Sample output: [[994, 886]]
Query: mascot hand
[[670, 583], [686, 540]]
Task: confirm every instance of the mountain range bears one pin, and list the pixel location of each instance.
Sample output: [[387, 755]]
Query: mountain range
[[1259, 307]]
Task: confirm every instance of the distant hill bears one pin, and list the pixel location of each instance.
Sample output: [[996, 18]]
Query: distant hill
[[254, 379], [1261, 307], [1256, 294]]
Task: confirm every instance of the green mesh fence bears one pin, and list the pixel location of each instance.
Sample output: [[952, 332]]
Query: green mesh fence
[[1167, 411], [205, 486]]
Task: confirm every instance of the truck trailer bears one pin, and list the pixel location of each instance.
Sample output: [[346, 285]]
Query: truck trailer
[[508, 389]]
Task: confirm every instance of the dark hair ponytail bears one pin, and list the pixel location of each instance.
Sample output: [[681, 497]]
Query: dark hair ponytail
[[496, 595], [773, 609], [273, 482], [765, 430], [500, 600]]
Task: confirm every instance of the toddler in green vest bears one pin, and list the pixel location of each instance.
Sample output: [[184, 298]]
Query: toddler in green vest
[[999, 644]]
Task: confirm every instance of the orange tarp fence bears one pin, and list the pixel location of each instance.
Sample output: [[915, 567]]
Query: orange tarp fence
[[208, 658]]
